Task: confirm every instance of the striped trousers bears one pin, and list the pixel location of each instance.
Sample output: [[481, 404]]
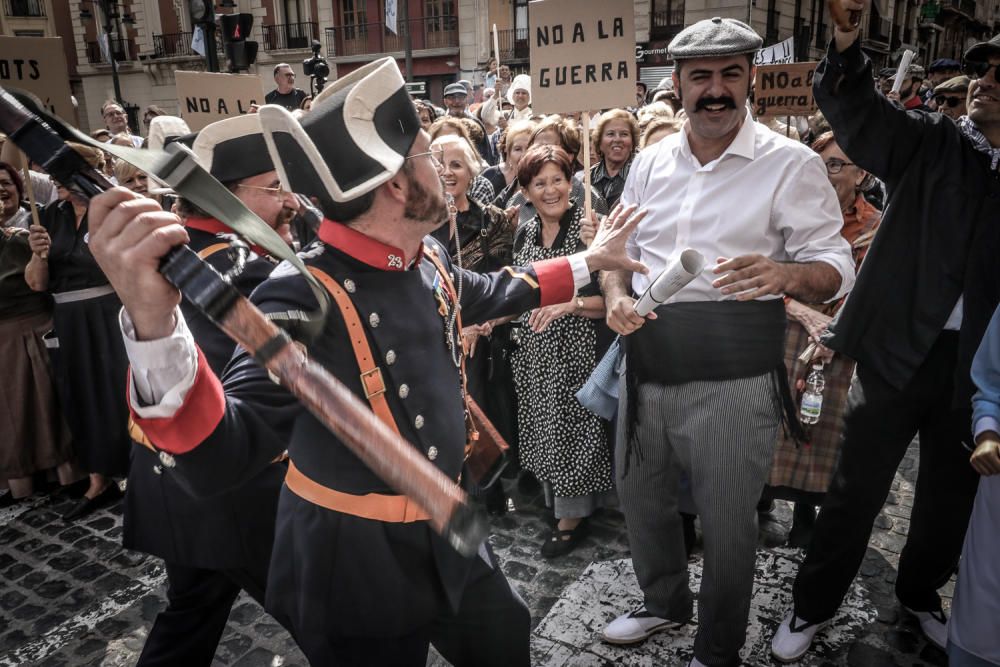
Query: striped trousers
[[721, 434]]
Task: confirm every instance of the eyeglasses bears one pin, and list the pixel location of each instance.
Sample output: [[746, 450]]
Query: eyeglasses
[[437, 154], [278, 192], [950, 100], [976, 69], [114, 112], [834, 166]]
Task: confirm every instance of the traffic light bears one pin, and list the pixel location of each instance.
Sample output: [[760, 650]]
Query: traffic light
[[235, 30]]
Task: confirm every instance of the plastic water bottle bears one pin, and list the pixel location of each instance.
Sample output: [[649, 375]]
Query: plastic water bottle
[[812, 398]]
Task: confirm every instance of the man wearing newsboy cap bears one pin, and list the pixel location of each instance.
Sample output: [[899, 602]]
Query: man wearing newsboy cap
[[705, 389], [923, 299]]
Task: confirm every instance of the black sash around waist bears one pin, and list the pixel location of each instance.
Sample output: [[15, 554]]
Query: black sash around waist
[[708, 340]]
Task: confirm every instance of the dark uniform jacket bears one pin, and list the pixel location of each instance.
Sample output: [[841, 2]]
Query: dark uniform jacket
[[161, 516], [939, 237], [334, 573]]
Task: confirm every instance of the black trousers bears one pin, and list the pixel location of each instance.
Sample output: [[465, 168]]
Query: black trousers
[[491, 629], [879, 425], [187, 632]]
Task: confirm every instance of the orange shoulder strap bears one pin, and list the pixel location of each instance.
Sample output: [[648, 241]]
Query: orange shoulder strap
[[208, 251], [371, 374]]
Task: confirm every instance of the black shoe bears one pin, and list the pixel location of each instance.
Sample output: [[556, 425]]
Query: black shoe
[[75, 489], [561, 542], [8, 500], [86, 506], [496, 500]]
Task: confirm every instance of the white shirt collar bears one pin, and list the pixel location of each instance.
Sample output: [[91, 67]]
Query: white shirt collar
[[743, 144]]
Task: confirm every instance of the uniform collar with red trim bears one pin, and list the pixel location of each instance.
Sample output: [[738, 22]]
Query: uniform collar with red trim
[[213, 226], [364, 248]]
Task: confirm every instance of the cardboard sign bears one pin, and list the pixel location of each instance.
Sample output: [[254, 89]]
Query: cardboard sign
[[782, 52], [205, 97], [785, 90], [38, 65], [582, 54]]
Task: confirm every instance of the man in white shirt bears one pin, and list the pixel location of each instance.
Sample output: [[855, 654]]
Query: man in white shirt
[[704, 375], [116, 120]]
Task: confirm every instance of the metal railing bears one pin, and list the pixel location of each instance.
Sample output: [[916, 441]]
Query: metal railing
[[123, 49], [28, 8], [665, 23], [430, 32], [289, 36], [513, 44], [172, 44], [967, 7]]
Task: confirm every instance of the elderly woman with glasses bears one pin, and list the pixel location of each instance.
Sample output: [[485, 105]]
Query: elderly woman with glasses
[[803, 474]]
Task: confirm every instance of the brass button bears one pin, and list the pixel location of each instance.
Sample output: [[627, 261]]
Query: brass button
[[349, 285], [374, 320], [404, 391], [432, 452], [167, 459], [390, 357], [419, 421], [158, 470]]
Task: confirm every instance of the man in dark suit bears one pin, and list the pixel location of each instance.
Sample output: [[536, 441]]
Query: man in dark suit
[[922, 301], [213, 547]]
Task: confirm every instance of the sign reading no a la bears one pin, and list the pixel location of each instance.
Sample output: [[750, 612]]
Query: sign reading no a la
[[582, 54], [38, 65], [785, 90], [205, 97]]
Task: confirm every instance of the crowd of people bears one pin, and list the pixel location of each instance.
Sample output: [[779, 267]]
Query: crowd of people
[[856, 243]]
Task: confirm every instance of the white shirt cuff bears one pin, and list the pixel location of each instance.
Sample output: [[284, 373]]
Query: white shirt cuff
[[846, 272], [581, 274], [163, 370]]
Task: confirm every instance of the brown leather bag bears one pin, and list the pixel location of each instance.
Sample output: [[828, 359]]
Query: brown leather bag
[[486, 454]]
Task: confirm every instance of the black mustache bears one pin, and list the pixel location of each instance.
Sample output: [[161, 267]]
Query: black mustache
[[729, 102]]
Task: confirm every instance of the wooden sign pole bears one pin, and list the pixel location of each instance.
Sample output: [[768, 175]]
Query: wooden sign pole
[[587, 208]]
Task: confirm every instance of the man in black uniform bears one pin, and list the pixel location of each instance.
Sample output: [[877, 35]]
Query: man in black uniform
[[212, 547], [357, 574]]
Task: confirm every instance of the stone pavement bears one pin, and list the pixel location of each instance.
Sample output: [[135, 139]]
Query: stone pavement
[[70, 595]]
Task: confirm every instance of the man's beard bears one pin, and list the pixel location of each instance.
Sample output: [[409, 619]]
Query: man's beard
[[425, 206]]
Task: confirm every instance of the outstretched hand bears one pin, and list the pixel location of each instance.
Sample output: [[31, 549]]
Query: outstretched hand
[[129, 235], [607, 250]]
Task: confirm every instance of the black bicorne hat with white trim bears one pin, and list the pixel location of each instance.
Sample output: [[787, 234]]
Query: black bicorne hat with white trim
[[353, 140], [233, 148]]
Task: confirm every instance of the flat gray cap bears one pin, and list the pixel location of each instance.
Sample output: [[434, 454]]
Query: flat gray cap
[[714, 38]]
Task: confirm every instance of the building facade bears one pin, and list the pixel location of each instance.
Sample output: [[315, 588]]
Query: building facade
[[448, 39]]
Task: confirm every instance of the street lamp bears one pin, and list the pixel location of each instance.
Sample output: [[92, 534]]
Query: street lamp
[[110, 10]]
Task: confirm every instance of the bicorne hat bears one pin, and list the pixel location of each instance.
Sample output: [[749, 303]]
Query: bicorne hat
[[233, 148], [353, 140]]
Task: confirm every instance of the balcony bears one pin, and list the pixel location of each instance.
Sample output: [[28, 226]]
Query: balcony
[[123, 49], [665, 23], [513, 44], [432, 32], [25, 8], [172, 45], [289, 36], [964, 7]]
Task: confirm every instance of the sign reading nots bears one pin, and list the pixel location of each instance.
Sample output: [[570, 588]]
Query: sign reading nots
[[38, 65], [582, 54]]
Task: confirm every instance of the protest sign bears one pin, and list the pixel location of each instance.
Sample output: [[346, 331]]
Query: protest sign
[[582, 54], [205, 97], [782, 52], [38, 65], [785, 90]]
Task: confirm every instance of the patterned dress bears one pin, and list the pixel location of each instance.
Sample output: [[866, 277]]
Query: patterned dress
[[565, 445], [804, 472]]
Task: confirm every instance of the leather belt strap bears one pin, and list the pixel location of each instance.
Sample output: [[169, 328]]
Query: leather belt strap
[[371, 375], [208, 251], [374, 506], [83, 294]]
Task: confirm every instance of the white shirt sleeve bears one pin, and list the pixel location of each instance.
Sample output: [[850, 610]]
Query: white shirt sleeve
[[581, 274], [163, 370], [807, 213]]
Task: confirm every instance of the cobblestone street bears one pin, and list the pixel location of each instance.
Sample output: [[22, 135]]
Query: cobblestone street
[[70, 595]]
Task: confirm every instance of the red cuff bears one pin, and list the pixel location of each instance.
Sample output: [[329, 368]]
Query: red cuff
[[555, 279], [203, 409]]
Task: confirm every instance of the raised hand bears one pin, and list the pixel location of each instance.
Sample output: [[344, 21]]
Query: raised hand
[[607, 250]]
